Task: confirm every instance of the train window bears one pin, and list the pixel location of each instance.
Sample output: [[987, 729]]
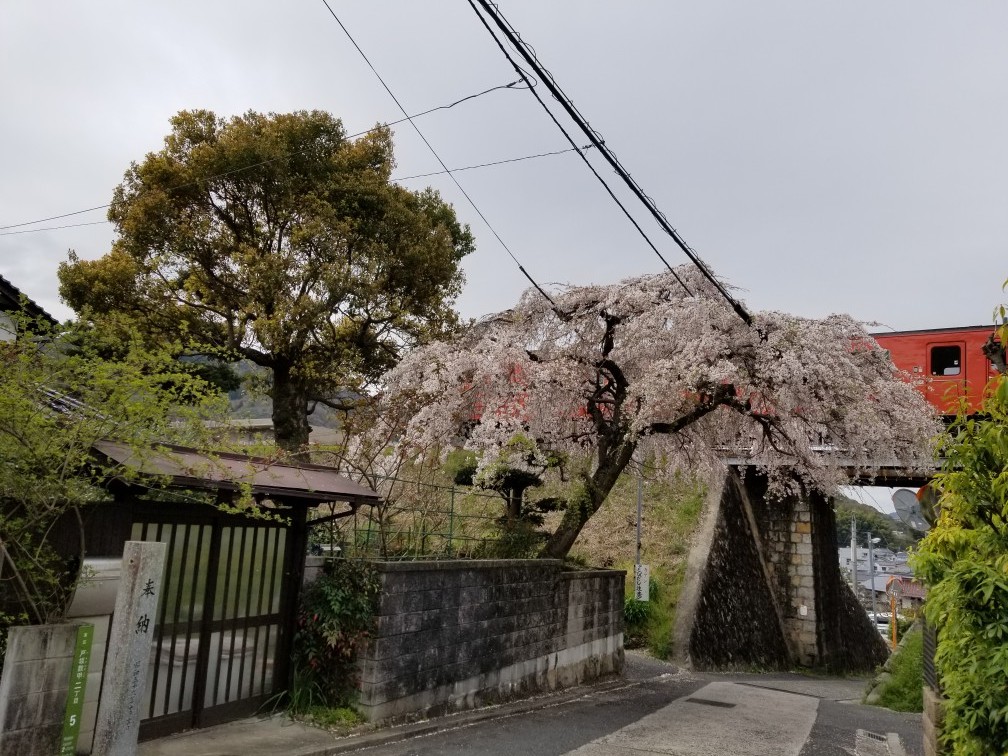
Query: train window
[[946, 360]]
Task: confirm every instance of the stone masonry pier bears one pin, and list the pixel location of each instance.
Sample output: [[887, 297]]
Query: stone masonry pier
[[763, 586]]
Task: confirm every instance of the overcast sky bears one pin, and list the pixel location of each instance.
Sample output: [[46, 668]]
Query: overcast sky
[[822, 157]]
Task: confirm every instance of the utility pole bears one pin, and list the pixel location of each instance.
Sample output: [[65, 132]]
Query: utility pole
[[871, 570], [853, 556], [642, 573], [640, 506]]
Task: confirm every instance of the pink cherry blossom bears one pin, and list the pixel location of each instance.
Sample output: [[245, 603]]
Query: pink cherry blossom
[[643, 367]]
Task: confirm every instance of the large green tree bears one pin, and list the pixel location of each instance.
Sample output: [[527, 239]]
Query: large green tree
[[278, 239]]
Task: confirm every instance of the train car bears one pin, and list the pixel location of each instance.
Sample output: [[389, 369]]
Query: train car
[[949, 362]]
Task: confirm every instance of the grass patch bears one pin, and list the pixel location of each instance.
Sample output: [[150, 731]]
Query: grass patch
[[649, 624], [671, 512], [339, 718], [904, 690]]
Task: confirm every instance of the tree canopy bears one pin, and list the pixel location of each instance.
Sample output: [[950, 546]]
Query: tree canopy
[[645, 365], [58, 396], [278, 239]]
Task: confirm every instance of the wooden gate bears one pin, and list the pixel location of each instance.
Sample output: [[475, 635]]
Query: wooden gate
[[222, 644]]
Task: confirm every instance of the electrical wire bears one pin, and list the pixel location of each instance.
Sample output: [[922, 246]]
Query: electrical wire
[[55, 228], [494, 163], [596, 139], [437, 157], [55, 217], [605, 185], [513, 85], [394, 178]]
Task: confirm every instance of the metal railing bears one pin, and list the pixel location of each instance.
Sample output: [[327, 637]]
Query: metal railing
[[421, 521]]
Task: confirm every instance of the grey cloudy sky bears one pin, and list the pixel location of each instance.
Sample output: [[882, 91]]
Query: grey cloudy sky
[[823, 157]]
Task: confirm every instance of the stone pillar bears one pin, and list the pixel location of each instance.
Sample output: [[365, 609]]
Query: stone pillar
[[33, 689], [934, 716], [133, 623], [802, 609]]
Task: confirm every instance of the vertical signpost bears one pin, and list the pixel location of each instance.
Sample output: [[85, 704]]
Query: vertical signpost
[[75, 695], [642, 580], [118, 725], [642, 573]]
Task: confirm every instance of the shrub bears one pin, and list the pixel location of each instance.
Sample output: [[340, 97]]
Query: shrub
[[904, 689], [335, 617], [964, 560], [650, 623]]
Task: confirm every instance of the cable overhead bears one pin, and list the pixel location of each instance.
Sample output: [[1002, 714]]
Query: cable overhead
[[54, 217], [394, 178], [437, 157], [496, 162], [513, 85], [546, 78], [53, 228], [605, 185]]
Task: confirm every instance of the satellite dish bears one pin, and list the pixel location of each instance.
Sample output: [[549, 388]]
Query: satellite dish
[[909, 510]]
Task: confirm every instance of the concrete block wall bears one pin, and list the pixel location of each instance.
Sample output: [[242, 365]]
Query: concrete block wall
[[803, 606], [934, 716], [33, 688], [457, 634]]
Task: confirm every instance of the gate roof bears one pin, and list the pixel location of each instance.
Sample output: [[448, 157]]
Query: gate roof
[[192, 468]]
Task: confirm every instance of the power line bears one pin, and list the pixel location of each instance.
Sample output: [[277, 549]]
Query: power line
[[54, 228], [55, 217], [513, 85], [394, 178], [430, 147], [605, 185], [547, 79], [494, 163]]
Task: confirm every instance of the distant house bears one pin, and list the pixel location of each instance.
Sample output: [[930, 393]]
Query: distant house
[[880, 555], [886, 561], [910, 592], [13, 301]]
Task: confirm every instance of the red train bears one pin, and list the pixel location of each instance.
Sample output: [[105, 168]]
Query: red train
[[951, 362]]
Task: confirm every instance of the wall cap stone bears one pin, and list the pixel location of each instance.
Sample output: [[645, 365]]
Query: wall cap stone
[[455, 564]]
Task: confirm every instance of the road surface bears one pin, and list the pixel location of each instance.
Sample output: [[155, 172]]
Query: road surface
[[658, 709]]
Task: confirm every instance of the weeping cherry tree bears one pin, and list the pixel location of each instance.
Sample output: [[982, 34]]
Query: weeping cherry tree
[[645, 366]]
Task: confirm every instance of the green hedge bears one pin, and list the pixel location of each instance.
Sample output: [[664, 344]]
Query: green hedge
[[964, 561]]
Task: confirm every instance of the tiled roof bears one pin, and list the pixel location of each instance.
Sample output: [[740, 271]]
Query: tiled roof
[[192, 468], [12, 299]]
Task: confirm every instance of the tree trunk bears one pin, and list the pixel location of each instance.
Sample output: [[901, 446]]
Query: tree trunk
[[586, 499], [290, 412], [514, 504]]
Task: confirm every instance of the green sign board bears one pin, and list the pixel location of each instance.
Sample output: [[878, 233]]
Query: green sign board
[[75, 696]]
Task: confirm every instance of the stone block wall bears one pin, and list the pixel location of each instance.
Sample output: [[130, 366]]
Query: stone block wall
[[33, 689], [458, 634], [769, 591], [785, 528], [727, 615]]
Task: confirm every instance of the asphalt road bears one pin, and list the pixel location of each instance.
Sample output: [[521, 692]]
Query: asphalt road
[[658, 709]]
